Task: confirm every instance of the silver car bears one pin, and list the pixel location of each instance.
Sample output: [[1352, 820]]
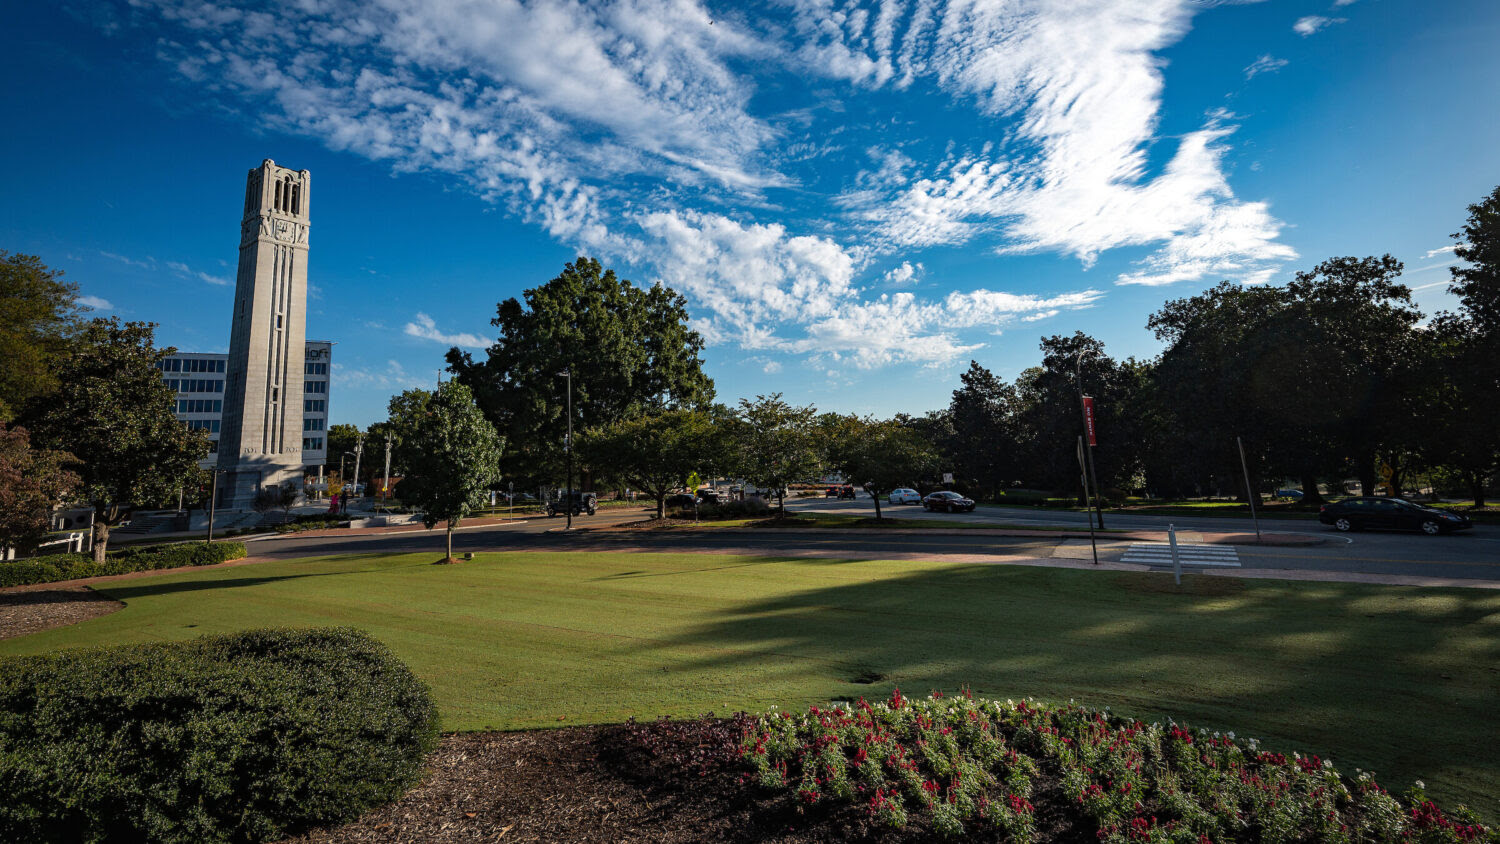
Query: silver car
[[904, 496]]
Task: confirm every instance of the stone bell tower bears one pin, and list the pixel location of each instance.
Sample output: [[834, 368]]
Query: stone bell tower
[[260, 439]]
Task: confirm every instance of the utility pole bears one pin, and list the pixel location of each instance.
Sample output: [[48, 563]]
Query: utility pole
[[213, 505], [359, 451], [568, 373], [1250, 494], [1083, 409], [385, 489]]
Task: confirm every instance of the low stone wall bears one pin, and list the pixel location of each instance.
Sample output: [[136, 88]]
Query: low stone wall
[[387, 520]]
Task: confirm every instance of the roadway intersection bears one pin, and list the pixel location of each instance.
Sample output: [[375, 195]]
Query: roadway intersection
[[1471, 558]]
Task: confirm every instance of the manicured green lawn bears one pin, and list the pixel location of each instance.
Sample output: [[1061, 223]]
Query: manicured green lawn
[[1401, 681]]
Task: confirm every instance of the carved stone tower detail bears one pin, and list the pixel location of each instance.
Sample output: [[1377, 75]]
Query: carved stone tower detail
[[260, 441]]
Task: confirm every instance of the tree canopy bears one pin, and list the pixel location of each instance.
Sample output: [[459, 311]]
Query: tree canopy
[[453, 458], [774, 444], [113, 412], [630, 350], [880, 455], [656, 453], [38, 312], [32, 482]]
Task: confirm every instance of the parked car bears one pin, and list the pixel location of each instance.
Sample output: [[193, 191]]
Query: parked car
[[904, 496], [1369, 513], [948, 502], [831, 492], [580, 502], [1288, 494], [680, 501], [708, 496]]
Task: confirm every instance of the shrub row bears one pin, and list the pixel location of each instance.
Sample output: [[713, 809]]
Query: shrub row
[[56, 567], [971, 766], [248, 737]]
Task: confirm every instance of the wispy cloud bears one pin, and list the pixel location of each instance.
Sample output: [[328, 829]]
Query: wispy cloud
[[1312, 24], [188, 272], [147, 264], [425, 327], [640, 131], [96, 303], [1441, 250], [1265, 64]]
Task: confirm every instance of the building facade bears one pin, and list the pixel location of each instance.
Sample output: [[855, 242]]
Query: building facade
[[261, 430], [198, 379]]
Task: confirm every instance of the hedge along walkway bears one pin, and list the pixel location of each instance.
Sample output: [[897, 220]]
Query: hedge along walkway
[[1397, 680]]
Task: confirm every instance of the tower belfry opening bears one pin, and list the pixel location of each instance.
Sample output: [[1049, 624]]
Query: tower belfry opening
[[260, 443]]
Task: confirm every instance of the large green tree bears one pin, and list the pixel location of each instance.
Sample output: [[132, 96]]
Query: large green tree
[[880, 455], [38, 311], [656, 453], [454, 457], [982, 425], [1465, 370], [32, 482], [113, 412], [629, 348], [774, 444]]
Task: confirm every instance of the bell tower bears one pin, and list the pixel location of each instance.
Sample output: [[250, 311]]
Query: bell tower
[[260, 439]]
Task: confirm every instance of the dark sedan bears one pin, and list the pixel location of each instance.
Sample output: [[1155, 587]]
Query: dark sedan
[[1390, 514], [947, 502]]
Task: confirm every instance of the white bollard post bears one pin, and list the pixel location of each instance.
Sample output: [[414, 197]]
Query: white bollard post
[[1176, 561]]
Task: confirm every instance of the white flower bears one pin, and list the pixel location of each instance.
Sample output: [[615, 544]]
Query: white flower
[[1421, 785]]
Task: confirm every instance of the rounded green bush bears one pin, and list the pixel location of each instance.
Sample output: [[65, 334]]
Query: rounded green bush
[[248, 737]]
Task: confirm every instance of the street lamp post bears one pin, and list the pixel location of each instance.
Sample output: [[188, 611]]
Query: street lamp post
[[359, 451], [213, 505], [385, 488], [568, 373], [1083, 409]]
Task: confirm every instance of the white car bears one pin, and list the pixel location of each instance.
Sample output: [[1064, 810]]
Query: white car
[[904, 496]]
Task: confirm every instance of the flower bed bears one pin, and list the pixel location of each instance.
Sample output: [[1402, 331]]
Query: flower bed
[[965, 764]]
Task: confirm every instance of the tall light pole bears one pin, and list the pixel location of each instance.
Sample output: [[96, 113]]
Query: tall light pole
[[359, 451], [568, 373], [213, 505], [1089, 441], [385, 488]]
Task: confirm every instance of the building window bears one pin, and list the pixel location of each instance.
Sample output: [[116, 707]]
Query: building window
[[313, 424], [209, 425], [213, 446], [316, 369], [314, 405], [197, 385], [315, 387], [312, 443]]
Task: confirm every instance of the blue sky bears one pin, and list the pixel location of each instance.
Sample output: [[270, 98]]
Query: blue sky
[[856, 199]]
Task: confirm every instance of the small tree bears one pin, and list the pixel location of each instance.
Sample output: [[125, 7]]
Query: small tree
[[775, 444], [282, 498], [32, 481], [453, 456], [880, 456], [655, 453], [113, 412]]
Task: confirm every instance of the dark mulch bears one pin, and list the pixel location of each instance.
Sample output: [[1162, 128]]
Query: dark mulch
[[659, 782], [24, 611]]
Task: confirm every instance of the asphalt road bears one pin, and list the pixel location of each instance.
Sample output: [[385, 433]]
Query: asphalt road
[[1466, 556]]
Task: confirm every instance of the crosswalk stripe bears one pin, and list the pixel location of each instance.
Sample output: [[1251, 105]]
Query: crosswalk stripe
[[1160, 554]]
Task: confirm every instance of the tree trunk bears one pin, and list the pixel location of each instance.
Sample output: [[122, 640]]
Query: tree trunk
[[661, 506], [450, 541], [1310, 494], [1365, 471], [781, 503], [1476, 486], [101, 538], [875, 494]]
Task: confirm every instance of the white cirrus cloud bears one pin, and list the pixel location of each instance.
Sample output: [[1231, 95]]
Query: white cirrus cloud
[[1265, 64], [1313, 24], [96, 303], [425, 327], [1441, 250], [654, 132]]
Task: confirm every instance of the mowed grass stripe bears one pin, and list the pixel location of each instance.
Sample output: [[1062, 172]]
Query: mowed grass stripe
[[1398, 680]]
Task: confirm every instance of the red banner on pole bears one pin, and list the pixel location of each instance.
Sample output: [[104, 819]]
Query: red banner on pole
[[1088, 419]]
